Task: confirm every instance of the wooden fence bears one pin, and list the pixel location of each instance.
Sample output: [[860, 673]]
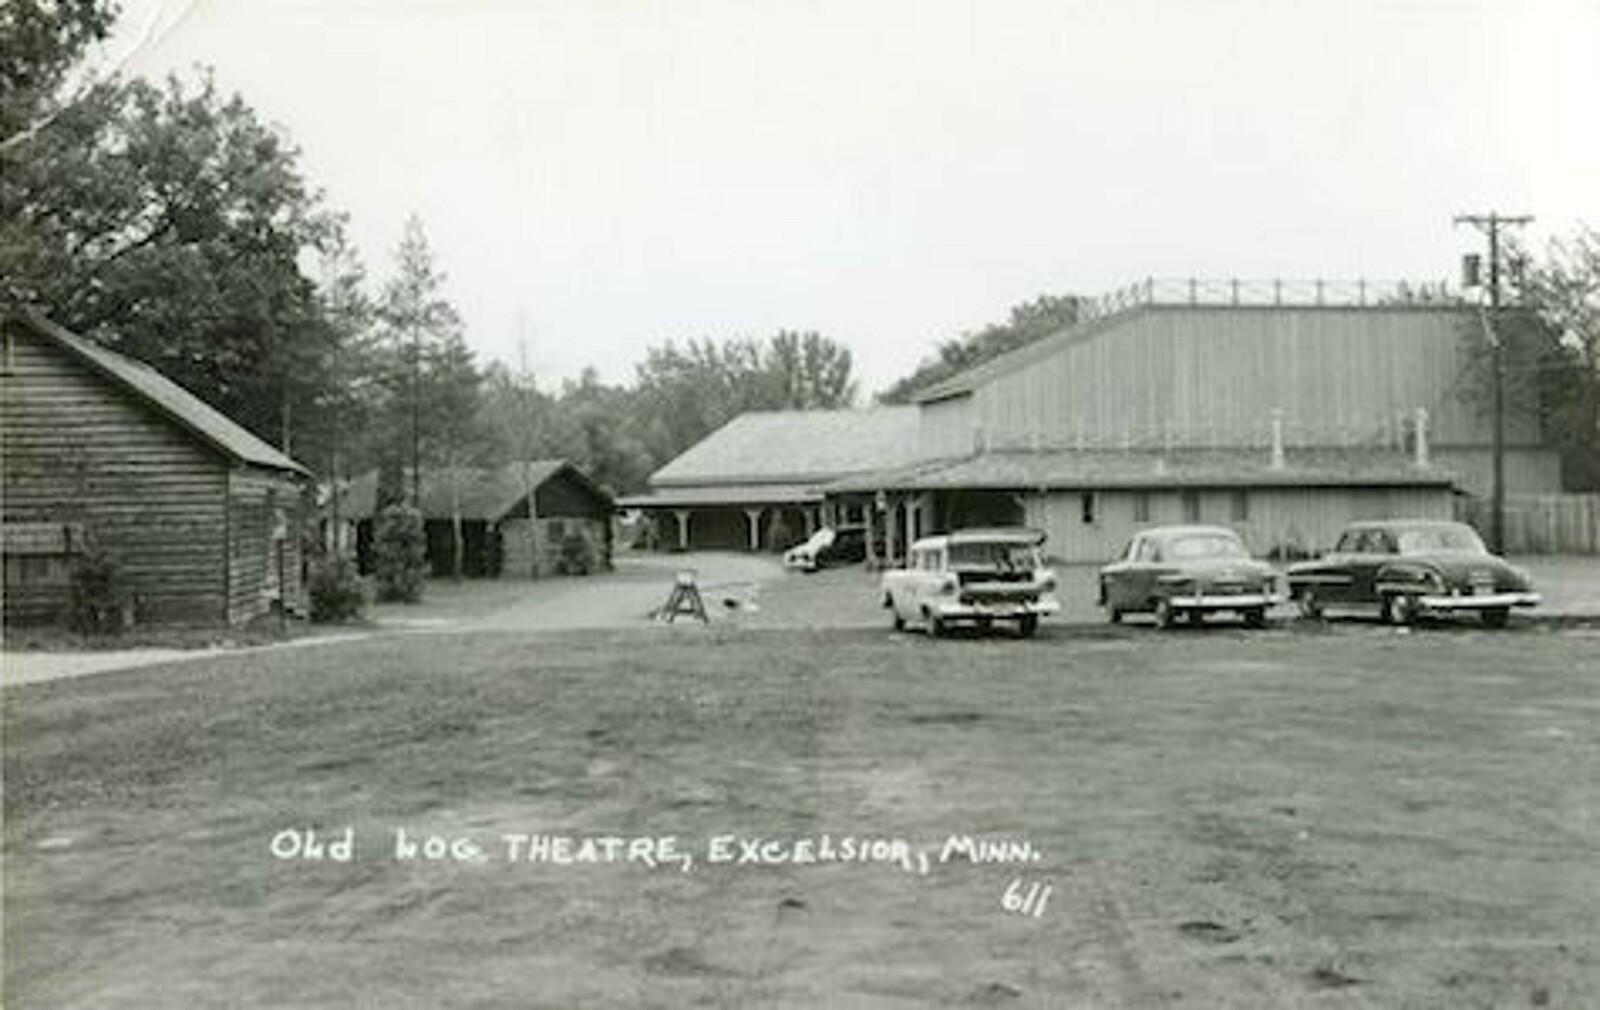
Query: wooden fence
[[1543, 524]]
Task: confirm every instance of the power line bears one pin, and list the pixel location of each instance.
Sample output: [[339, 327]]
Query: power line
[[1491, 224]]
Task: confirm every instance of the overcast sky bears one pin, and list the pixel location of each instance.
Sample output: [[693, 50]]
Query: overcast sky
[[603, 175]]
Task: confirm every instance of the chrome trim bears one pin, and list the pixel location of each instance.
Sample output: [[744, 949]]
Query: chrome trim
[[1481, 601]]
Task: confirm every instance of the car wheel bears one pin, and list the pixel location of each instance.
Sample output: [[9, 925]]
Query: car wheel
[[1495, 617], [899, 622], [1310, 606], [1255, 617], [1027, 625], [1400, 609], [935, 625], [1114, 615], [1166, 616]]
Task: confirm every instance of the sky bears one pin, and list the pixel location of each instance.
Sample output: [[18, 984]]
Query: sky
[[597, 176]]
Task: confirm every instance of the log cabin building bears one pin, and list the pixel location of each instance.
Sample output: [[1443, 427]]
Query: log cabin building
[[499, 533], [101, 452], [1284, 410]]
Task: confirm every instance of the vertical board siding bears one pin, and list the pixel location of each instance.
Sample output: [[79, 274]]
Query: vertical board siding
[[1295, 520], [79, 449], [1213, 376]]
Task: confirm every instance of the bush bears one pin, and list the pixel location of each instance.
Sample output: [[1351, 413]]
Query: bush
[[338, 592], [577, 557], [100, 600], [400, 549]]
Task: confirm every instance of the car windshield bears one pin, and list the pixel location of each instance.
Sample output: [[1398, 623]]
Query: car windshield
[[1209, 545], [993, 556], [1441, 538]]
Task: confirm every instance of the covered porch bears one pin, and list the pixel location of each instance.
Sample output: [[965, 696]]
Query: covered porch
[[753, 518]]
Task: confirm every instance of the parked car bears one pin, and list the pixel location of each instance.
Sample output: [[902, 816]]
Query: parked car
[[1179, 572], [977, 577], [828, 546], [1405, 568]]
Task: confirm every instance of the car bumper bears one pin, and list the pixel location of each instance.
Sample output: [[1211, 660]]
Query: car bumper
[[1231, 601], [1478, 601], [998, 611]]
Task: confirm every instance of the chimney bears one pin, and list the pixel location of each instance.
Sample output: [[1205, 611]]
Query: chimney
[[1422, 436], [1277, 438]]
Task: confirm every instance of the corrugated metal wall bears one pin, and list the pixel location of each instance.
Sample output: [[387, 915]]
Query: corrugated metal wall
[[1187, 376]]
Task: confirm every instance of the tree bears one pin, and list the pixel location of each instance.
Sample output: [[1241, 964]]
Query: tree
[[1550, 353], [683, 393], [39, 44], [171, 223], [1030, 321]]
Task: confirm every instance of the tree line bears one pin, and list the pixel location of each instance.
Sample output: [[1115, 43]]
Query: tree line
[[169, 221]]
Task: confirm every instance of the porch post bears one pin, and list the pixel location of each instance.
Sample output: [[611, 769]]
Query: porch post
[[754, 515], [808, 516], [683, 528]]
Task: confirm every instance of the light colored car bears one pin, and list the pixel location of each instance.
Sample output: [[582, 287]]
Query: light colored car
[[1178, 572], [975, 577]]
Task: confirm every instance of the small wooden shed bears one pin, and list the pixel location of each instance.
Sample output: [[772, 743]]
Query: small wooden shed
[[103, 452]]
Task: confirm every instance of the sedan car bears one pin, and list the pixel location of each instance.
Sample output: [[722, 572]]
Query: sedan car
[[1178, 572], [826, 547], [976, 577], [1406, 568]]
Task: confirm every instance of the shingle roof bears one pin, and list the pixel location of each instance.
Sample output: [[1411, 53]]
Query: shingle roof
[[169, 398], [486, 494], [1108, 469], [796, 447]]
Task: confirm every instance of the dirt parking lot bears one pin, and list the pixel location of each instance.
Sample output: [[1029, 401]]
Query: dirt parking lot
[[1339, 815]]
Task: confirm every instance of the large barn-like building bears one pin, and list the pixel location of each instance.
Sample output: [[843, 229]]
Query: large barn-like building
[[104, 453], [1282, 410]]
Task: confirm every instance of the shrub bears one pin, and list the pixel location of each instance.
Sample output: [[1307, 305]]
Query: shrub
[[400, 549], [100, 601], [338, 592], [577, 557]]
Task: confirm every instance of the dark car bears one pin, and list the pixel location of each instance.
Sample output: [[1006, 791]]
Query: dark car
[[1406, 568], [829, 546], [1188, 571]]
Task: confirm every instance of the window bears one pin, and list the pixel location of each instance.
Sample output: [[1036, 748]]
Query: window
[[1141, 506], [1086, 507], [1191, 506], [1241, 506]]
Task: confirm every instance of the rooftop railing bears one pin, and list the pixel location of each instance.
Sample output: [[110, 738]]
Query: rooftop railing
[[1270, 292]]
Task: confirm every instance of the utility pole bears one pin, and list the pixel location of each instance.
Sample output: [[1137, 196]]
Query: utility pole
[[1490, 224]]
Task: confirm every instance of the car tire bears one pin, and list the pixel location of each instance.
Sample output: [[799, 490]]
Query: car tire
[[1400, 609], [1114, 615], [1495, 617], [899, 622], [1027, 625], [1166, 616], [1310, 606], [1255, 617], [935, 626]]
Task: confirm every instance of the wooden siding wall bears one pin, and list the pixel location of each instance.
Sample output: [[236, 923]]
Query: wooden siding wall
[[255, 499], [1528, 471], [546, 548], [561, 495], [945, 429], [1304, 519], [78, 449], [1202, 376]]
